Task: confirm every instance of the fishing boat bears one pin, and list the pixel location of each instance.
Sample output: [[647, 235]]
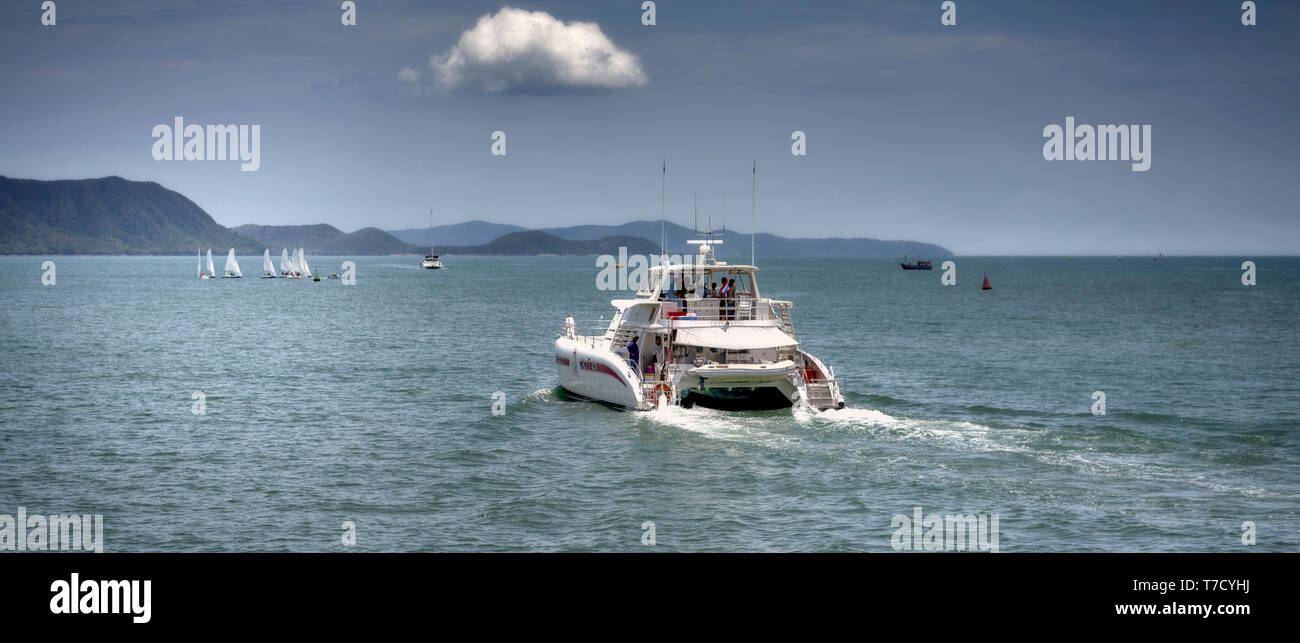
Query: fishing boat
[[918, 265], [268, 268], [680, 342], [202, 275], [232, 267], [431, 261]]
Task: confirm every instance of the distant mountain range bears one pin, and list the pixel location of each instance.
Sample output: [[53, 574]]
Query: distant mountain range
[[469, 233], [322, 239], [106, 216], [734, 244], [538, 242], [115, 216]]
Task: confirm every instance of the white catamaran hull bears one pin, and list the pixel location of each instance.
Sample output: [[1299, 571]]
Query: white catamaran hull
[[590, 371], [595, 374]]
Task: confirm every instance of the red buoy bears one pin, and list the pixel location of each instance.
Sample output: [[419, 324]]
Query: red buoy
[[986, 285]]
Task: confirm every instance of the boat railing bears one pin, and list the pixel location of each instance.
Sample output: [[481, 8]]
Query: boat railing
[[589, 331], [719, 309]]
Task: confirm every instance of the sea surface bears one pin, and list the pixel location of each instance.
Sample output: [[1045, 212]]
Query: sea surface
[[373, 403]]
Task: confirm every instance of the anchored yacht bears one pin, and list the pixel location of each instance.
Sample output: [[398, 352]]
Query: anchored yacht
[[431, 261], [696, 333]]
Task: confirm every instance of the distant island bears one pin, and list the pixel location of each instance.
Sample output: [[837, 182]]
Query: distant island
[[109, 216], [114, 216], [538, 242], [735, 244]]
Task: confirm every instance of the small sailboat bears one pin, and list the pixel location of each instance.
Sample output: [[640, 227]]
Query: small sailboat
[[302, 263], [285, 266], [431, 261], [232, 267], [212, 271], [202, 275], [986, 285], [268, 268]]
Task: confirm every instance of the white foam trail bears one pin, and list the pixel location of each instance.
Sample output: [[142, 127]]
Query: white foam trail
[[542, 394], [721, 425], [881, 425], [848, 415]]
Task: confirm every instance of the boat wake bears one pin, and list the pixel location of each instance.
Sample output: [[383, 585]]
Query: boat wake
[[724, 425], [818, 430], [1033, 443]]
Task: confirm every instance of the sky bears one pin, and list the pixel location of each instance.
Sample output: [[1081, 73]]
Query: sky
[[914, 129]]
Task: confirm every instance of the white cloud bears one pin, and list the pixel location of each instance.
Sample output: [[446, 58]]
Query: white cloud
[[532, 50], [408, 75]]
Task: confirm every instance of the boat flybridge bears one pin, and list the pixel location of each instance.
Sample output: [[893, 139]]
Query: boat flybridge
[[697, 341]]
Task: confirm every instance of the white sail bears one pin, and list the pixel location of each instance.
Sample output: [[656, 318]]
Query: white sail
[[232, 266], [212, 272], [199, 267], [302, 262], [294, 265], [285, 266], [267, 266]]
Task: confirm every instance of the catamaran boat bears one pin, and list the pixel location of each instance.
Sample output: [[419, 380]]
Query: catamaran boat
[[729, 350], [431, 261]]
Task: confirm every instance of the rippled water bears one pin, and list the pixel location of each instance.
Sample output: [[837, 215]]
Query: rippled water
[[373, 404]]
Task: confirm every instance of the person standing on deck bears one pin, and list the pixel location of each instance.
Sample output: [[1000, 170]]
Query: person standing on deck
[[634, 354], [657, 358], [724, 293]]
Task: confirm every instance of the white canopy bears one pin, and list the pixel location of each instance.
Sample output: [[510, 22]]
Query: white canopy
[[735, 337]]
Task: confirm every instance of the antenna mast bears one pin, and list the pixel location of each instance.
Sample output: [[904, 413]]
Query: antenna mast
[[663, 181], [753, 216]]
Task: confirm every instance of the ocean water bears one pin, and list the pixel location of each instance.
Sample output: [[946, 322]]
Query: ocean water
[[373, 404]]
